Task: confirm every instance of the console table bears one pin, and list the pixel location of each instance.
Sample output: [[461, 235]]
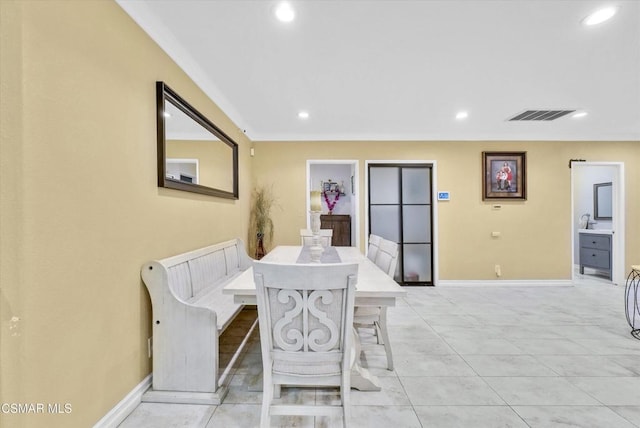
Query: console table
[[341, 226]]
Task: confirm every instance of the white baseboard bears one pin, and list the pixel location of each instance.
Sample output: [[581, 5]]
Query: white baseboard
[[121, 410], [506, 283], [182, 397]]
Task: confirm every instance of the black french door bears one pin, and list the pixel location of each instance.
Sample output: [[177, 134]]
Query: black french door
[[401, 210]]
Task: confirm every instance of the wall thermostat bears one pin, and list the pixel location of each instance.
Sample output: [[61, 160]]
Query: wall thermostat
[[444, 196]]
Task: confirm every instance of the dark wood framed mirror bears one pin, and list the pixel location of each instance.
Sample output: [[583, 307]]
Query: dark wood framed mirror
[[194, 155], [602, 201]]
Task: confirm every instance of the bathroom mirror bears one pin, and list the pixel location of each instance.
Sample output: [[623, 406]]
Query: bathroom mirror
[[194, 155], [602, 201]]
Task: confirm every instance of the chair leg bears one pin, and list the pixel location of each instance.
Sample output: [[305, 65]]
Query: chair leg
[[382, 325], [346, 415], [345, 390], [377, 331], [267, 398]]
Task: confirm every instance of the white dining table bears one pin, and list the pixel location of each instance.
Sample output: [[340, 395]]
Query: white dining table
[[374, 288]]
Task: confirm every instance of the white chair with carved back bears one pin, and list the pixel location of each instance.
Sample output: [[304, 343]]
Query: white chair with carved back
[[306, 237], [376, 316], [305, 313], [372, 249]]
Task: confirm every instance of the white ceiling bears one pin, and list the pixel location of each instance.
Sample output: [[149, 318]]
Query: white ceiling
[[401, 70]]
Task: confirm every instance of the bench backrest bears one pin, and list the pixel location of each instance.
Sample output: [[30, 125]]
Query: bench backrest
[[192, 273]]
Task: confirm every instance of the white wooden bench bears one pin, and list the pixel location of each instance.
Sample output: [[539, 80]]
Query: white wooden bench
[[189, 314]]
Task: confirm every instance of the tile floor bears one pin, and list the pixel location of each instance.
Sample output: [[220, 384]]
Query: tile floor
[[467, 357]]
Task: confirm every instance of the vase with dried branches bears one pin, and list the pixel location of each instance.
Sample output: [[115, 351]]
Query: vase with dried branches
[[260, 223]]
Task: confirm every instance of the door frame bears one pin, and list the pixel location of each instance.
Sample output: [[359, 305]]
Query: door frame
[[434, 204], [618, 222]]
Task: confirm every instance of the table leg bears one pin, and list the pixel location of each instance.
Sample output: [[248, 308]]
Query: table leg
[[361, 378]]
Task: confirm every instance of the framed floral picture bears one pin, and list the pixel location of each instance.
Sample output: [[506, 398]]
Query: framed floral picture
[[504, 175]]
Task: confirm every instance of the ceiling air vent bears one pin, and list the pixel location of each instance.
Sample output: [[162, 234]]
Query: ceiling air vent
[[540, 115]]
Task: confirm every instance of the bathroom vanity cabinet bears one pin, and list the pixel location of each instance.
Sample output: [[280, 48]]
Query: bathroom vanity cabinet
[[595, 250]]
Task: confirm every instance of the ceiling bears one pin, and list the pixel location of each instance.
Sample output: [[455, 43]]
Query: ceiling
[[402, 70]]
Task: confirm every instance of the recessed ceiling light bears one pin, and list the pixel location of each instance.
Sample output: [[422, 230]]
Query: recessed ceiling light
[[579, 114], [303, 115], [599, 16], [462, 115], [284, 12]]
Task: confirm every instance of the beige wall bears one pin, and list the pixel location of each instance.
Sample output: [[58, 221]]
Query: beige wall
[[535, 240], [81, 210]]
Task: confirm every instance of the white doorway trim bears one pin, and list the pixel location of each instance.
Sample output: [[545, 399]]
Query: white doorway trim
[[434, 202], [618, 222], [356, 191]]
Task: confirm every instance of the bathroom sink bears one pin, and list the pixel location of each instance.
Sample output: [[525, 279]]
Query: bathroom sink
[[597, 231]]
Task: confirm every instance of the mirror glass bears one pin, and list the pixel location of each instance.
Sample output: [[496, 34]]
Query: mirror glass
[[193, 154], [602, 206]]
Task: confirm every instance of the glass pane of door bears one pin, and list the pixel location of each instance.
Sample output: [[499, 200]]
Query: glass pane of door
[[417, 262], [416, 223], [385, 221], [416, 185], [384, 185]]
